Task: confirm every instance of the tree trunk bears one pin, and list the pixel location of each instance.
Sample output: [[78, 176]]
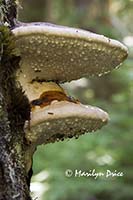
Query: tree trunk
[[15, 173]]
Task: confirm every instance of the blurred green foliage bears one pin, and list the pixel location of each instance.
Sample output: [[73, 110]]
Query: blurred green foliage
[[110, 148]]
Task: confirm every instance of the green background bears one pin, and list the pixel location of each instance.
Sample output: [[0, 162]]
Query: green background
[[110, 148]]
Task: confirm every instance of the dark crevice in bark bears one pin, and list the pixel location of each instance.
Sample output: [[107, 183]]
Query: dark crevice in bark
[[2, 186]]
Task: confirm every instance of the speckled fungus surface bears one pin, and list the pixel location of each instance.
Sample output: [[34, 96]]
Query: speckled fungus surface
[[58, 53], [64, 119], [55, 116]]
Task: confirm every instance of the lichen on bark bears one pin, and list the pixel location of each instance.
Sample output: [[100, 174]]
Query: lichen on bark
[[8, 11]]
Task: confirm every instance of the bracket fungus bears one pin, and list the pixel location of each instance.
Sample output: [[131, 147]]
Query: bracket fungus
[[61, 54], [55, 116]]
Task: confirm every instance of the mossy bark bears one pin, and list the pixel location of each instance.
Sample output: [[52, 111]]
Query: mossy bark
[[14, 110]]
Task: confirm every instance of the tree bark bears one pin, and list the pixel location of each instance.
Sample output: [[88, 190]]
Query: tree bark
[[14, 110]]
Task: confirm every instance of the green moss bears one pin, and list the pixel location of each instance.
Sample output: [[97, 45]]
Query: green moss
[[16, 100], [7, 43]]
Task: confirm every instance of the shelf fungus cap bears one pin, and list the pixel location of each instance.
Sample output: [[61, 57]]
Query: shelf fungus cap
[[63, 119], [52, 52]]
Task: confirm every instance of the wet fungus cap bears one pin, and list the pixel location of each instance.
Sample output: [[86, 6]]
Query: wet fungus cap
[[63, 119], [51, 52], [36, 89], [46, 94]]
